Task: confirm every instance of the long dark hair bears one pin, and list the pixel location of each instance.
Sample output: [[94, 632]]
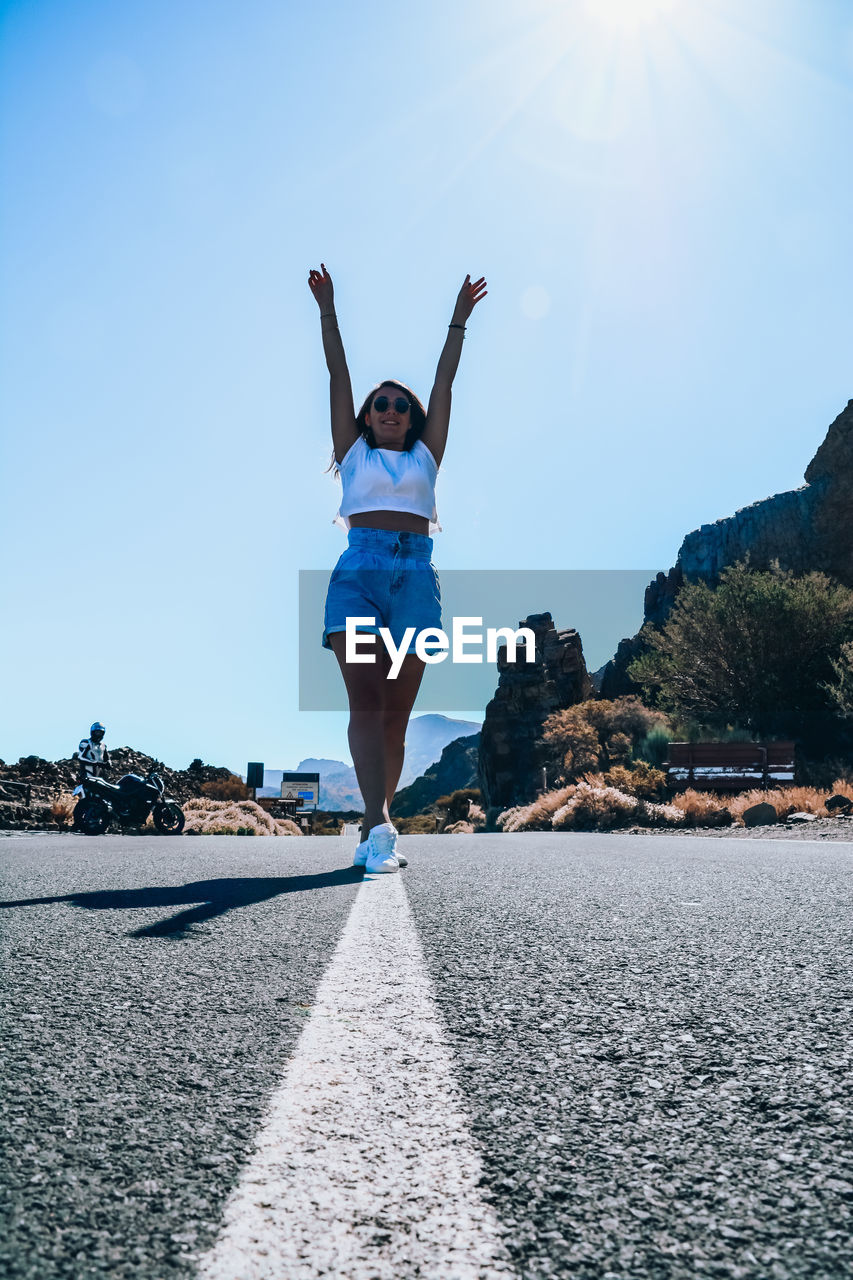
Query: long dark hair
[[418, 415]]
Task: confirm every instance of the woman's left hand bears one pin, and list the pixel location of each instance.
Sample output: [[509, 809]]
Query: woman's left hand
[[469, 295]]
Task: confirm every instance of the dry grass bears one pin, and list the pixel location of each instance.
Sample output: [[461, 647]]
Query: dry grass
[[459, 829], [661, 815], [596, 808], [589, 805], [62, 809], [594, 805], [785, 800], [536, 816], [702, 808], [234, 818]]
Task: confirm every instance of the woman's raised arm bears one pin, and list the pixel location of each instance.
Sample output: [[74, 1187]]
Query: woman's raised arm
[[438, 410], [345, 430]]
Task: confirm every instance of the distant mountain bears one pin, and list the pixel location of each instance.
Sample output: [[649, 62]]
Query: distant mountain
[[457, 769], [426, 738]]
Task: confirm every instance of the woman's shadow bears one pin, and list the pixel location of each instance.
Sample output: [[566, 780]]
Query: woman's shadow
[[212, 898]]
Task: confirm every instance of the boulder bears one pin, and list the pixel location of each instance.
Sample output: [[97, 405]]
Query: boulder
[[760, 815], [839, 804], [795, 819]]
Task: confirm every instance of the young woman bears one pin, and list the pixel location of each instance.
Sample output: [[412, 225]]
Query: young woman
[[387, 455]]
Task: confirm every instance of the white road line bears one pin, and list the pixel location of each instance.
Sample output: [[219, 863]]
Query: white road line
[[365, 1168]]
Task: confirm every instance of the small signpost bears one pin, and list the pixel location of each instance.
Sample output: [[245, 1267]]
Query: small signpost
[[254, 777], [300, 792]]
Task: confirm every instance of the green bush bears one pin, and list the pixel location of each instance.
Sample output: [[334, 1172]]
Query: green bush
[[654, 747], [755, 653]]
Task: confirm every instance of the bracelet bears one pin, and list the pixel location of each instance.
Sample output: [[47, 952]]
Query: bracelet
[[324, 315], [457, 326]]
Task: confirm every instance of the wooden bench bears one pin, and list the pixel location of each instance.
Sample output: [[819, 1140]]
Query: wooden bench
[[729, 766]]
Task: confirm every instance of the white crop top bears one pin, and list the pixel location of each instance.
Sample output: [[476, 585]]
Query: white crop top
[[388, 480]]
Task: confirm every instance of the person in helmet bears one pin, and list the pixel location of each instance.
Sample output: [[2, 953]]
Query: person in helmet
[[93, 755]]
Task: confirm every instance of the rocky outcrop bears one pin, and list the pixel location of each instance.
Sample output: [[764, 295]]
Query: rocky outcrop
[[511, 757], [804, 529], [48, 779], [455, 770]]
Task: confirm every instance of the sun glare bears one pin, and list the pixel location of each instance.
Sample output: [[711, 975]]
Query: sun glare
[[628, 15]]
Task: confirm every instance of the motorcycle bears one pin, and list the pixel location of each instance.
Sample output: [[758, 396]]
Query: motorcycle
[[130, 800]]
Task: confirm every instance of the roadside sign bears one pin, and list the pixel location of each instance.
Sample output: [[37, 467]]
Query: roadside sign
[[302, 788]]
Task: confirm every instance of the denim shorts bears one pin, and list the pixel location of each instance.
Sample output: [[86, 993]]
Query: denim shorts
[[387, 576]]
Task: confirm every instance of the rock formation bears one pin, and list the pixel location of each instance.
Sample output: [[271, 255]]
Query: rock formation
[[511, 758], [805, 529]]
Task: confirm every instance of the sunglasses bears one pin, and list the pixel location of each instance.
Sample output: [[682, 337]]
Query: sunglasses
[[401, 405]]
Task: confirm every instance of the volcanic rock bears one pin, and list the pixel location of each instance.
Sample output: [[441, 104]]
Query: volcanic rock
[[511, 753], [759, 815]]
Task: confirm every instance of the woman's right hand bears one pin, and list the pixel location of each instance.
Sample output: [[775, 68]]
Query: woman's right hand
[[320, 284]]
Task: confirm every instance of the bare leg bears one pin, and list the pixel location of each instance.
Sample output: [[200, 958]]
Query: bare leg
[[399, 700], [366, 685]]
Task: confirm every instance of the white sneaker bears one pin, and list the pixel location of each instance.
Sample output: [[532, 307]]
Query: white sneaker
[[381, 850], [360, 857]]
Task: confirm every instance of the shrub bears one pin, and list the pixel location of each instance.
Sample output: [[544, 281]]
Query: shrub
[[421, 824], [756, 652], [477, 815], [575, 743], [642, 780], [596, 808], [459, 828], [598, 735], [702, 808], [589, 805], [457, 804], [234, 818], [840, 689], [824, 773], [62, 809], [536, 816], [654, 747], [230, 788], [196, 765], [661, 815]]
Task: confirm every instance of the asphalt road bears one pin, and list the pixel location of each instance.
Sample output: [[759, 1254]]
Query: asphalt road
[[651, 1035]]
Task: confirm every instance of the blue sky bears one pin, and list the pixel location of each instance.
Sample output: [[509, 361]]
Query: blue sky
[[659, 195]]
